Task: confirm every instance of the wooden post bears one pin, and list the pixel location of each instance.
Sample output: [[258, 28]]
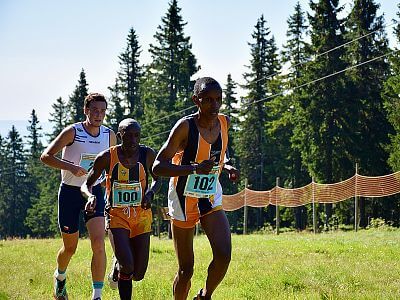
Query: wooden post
[[356, 209], [314, 208], [245, 209], [277, 214]]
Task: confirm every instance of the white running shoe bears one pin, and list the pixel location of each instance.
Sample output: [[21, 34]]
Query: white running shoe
[[113, 275]]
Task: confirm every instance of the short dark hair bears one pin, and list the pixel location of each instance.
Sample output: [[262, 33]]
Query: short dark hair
[[202, 83], [92, 97], [125, 123]]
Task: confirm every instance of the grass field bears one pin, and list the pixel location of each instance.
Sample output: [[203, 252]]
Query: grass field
[[363, 265]]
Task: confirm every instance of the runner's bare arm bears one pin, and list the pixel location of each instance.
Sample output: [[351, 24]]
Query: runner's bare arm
[[49, 157], [233, 173], [156, 182], [176, 142]]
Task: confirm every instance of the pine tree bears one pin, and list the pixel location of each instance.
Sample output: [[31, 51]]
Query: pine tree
[[256, 165], [36, 172], [76, 100], [390, 93], [129, 76], [292, 173], [167, 83], [42, 216], [167, 88], [58, 118], [229, 105], [367, 83], [367, 80], [251, 135], [229, 108], [14, 199], [324, 127], [34, 136], [5, 168], [172, 57], [296, 48], [116, 112]]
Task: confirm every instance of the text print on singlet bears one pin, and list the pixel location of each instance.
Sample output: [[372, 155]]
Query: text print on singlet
[[202, 185], [126, 194]]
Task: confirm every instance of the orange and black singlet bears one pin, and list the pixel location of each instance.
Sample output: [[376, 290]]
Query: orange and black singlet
[[195, 195], [124, 178]]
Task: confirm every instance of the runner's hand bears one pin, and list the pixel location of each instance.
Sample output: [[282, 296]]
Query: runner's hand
[[205, 166], [90, 206], [146, 201], [233, 174], [78, 171]]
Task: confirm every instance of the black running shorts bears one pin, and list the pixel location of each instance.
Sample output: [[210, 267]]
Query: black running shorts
[[70, 204]]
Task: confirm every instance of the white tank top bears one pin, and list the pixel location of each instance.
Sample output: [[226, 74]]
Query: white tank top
[[82, 152]]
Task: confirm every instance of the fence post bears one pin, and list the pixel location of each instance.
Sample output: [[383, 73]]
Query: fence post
[[314, 211], [277, 215], [245, 208], [356, 212]]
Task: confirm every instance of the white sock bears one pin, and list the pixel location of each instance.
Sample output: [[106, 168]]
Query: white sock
[[97, 289], [60, 275]]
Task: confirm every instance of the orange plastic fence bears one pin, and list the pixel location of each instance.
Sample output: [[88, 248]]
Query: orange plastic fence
[[358, 185]]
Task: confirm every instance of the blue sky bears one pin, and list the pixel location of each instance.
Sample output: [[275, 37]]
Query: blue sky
[[44, 44]]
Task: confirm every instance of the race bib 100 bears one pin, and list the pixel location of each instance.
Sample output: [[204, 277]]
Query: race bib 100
[[126, 194], [202, 186]]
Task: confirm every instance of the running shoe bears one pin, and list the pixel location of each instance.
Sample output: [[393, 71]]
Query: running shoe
[[60, 289], [113, 275]]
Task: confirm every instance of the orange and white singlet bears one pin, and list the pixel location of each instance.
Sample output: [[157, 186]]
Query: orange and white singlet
[[193, 196]]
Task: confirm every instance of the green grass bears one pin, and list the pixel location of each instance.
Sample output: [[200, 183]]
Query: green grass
[[363, 265]]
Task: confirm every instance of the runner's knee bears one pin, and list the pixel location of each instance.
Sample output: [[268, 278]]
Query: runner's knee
[[69, 249], [126, 267], [137, 276], [98, 245], [223, 256], [186, 272]]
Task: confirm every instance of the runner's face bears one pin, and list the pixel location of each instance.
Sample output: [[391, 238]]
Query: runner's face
[[210, 101], [130, 137], [96, 112]]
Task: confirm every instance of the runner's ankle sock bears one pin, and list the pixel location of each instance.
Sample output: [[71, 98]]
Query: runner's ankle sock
[[97, 289], [125, 286], [60, 275]]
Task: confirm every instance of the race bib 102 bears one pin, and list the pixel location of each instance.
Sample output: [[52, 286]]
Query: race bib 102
[[202, 186]]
